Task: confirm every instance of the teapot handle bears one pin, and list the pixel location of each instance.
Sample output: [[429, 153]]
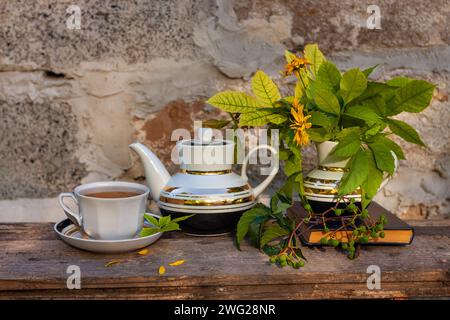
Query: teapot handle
[[263, 185]]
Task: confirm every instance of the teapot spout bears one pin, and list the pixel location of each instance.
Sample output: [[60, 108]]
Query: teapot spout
[[156, 174]]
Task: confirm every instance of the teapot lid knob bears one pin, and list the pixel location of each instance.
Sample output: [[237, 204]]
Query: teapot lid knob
[[205, 135]]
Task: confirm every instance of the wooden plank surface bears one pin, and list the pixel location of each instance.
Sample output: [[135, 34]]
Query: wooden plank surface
[[34, 263]]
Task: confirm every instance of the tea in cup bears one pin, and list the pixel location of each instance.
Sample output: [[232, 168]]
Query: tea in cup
[[108, 210]]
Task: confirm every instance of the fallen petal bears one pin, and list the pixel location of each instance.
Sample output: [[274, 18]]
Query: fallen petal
[[143, 252], [162, 270], [112, 262], [177, 263]]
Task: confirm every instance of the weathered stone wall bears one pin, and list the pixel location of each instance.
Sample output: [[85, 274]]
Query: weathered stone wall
[[72, 100]]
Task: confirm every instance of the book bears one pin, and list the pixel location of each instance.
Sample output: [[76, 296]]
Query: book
[[397, 232]]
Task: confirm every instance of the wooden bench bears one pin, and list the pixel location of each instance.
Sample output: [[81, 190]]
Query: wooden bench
[[33, 264]]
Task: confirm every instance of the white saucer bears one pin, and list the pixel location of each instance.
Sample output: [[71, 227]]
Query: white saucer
[[70, 234]]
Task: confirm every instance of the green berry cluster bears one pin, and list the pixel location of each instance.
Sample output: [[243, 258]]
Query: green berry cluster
[[284, 260], [361, 234]]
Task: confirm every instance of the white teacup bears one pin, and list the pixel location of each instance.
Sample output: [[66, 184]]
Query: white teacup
[[108, 210]]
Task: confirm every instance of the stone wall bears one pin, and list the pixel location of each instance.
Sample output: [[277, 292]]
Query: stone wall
[[71, 100]]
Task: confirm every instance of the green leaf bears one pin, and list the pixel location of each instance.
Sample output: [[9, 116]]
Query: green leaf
[[392, 146], [373, 130], [374, 179], [260, 117], [399, 81], [182, 218], [255, 118], [415, 96], [367, 72], [314, 56], [328, 76], [358, 172], [151, 219], [272, 250], [353, 84], [322, 119], [171, 226], [145, 232], [347, 147], [405, 131], [363, 112], [299, 90], [348, 131], [292, 165], [383, 157], [215, 124], [318, 134], [377, 104], [277, 118], [271, 233], [255, 230], [247, 218], [264, 88], [289, 187], [164, 220], [235, 102], [327, 101], [374, 89]]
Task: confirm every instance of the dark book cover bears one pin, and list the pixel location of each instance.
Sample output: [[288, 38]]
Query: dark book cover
[[397, 232]]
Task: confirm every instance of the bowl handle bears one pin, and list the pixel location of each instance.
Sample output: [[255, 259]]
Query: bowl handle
[[263, 185]]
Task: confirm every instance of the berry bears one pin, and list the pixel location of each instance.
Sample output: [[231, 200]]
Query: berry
[[283, 263], [364, 214], [382, 235], [338, 212], [301, 263], [373, 234], [273, 259], [282, 259], [334, 242], [364, 239], [344, 246], [379, 227], [307, 207], [324, 241]]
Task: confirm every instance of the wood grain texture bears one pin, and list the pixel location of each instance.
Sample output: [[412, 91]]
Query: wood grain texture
[[34, 263]]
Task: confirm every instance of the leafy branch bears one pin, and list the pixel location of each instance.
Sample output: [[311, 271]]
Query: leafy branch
[[162, 224], [345, 107]]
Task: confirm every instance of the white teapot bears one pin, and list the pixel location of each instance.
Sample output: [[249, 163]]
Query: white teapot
[[205, 185]]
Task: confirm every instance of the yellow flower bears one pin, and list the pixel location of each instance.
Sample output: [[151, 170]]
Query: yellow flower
[[300, 124], [295, 65]]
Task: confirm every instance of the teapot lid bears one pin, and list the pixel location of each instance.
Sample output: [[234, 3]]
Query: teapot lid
[[206, 154]]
